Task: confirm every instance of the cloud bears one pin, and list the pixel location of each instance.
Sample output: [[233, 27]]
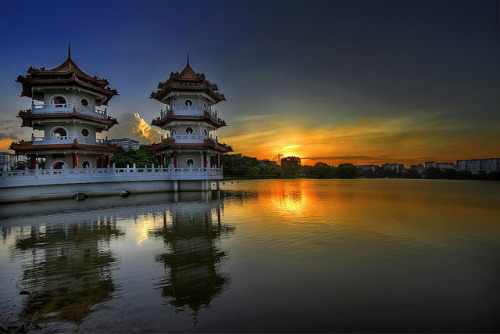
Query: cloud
[[5, 143], [133, 126], [372, 140], [10, 135]]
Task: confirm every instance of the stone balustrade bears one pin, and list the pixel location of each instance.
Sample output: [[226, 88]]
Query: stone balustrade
[[67, 140], [38, 176], [52, 108]]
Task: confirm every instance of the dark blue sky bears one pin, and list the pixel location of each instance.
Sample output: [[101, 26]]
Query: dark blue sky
[[357, 75]]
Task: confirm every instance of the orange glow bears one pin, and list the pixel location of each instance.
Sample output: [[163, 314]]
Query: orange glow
[[317, 203], [5, 143], [369, 141]]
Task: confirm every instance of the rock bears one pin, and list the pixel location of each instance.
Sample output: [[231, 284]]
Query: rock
[[25, 292]]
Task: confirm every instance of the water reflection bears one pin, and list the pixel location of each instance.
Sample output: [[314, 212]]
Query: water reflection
[[191, 232], [67, 263], [66, 269]]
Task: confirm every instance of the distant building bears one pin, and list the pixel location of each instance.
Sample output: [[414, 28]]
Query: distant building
[[419, 168], [439, 165], [8, 159], [399, 168], [366, 168], [290, 161], [126, 143], [267, 162], [478, 166]]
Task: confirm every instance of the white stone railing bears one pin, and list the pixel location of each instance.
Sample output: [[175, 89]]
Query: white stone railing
[[67, 140], [38, 176], [189, 111], [68, 108], [189, 138]]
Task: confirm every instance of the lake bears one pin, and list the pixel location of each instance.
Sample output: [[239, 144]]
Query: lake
[[383, 255]]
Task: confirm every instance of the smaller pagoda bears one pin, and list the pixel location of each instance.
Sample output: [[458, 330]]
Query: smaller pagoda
[[67, 106], [189, 119]]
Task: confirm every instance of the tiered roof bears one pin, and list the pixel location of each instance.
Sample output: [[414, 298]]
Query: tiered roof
[[23, 147], [171, 117], [187, 80], [66, 74], [169, 143], [28, 118]]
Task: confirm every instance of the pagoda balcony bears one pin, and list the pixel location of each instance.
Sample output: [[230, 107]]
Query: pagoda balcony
[[189, 111], [189, 138], [67, 140], [68, 108]]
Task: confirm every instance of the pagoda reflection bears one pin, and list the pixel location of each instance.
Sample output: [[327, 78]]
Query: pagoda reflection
[[192, 232], [67, 269]]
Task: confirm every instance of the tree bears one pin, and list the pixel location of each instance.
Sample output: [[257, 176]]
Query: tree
[[278, 158], [347, 171], [140, 157]]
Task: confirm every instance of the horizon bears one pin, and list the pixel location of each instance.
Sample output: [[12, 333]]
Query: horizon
[[336, 82]]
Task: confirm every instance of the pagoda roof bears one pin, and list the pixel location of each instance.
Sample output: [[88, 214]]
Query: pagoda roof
[[171, 117], [66, 74], [187, 81], [28, 118], [28, 146], [169, 143]]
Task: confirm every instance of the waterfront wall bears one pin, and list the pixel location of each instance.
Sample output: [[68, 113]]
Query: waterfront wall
[[41, 184]]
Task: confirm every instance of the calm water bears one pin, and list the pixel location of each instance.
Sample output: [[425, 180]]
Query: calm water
[[259, 256]]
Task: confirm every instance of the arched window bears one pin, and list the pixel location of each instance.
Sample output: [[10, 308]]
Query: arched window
[[190, 162], [86, 164], [59, 101], [58, 165], [205, 132], [59, 133], [189, 130], [188, 103], [174, 132], [85, 132], [84, 102]]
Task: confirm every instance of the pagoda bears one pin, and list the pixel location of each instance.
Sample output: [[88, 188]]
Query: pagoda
[[189, 119], [67, 107]]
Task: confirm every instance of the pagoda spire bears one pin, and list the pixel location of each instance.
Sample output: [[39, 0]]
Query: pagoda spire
[[69, 50], [188, 59]]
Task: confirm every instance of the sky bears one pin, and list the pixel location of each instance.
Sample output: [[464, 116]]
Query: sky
[[360, 81]]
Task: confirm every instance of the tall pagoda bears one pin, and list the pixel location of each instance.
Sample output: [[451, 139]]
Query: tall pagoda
[[189, 120], [67, 106]]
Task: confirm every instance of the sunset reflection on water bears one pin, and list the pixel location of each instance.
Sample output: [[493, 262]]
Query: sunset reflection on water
[[295, 255]]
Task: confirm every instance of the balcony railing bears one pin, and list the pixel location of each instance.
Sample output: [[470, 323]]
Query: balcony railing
[[68, 108], [189, 138], [189, 111], [67, 140], [37, 176]]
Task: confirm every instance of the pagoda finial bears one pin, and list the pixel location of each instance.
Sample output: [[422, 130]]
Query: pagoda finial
[[188, 58], [69, 50]]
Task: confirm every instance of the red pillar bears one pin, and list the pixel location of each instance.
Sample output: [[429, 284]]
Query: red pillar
[[75, 160], [175, 159], [32, 161], [205, 159]]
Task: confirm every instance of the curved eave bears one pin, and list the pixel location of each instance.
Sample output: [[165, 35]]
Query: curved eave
[[161, 122], [172, 145], [28, 117], [29, 82], [167, 89], [23, 147]]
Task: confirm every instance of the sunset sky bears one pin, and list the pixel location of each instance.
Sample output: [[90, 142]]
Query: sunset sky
[[333, 81]]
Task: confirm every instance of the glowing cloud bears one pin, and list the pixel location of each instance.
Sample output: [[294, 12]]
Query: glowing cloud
[[133, 126]]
